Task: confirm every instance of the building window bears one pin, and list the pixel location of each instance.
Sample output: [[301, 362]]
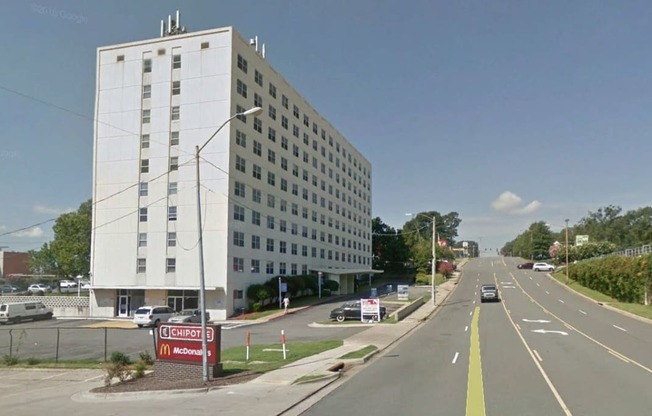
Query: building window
[[257, 172], [285, 102], [256, 196], [284, 163], [176, 87], [271, 201], [272, 112], [284, 143], [295, 130], [144, 166], [147, 91], [238, 264], [270, 245], [205, 45], [269, 268], [170, 265], [175, 113], [172, 213], [172, 188], [240, 139], [239, 110], [174, 138], [258, 148], [271, 134], [146, 116], [144, 141], [241, 88], [258, 125], [141, 266], [295, 111], [242, 63], [255, 217], [147, 66], [239, 189], [306, 121], [282, 268], [255, 266], [282, 247], [142, 239], [271, 156], [258, 100], [172, 239], [284, 122], [120, 58], [271, 178], [258, 77], [176, 61], [238, 238], [174, 163], [255, 242], [283, 226], [270, 222], [294, 249], [238, 213], [272, 90], [284, 184], [294, 269], [240, 164], [142, 189]]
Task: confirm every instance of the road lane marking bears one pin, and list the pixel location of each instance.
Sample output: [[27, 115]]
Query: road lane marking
[[619, 356], [547, 293], [636, 363], [471, 313], [537, 355], [538, 321], [622, 329], [545, 331], [518, 326], [530, 277], [560, 300], [55, 376], [539, 367], [457, 354], [93, 378], [475, 387], [538, 285], [466, 328], [474, 302], [581, 311]]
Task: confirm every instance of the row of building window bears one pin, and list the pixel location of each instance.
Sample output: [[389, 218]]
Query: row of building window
[[239, 241], [148, 63]]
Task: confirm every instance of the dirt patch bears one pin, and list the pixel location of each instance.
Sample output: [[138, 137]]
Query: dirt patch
[[150, 383]]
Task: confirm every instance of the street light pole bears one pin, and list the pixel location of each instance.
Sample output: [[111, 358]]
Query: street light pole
[[567, 265], [202, 284]]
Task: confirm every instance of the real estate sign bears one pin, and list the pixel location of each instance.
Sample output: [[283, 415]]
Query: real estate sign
[[369, 308]]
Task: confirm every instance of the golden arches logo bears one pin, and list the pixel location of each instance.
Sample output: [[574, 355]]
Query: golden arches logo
[[164, 350]]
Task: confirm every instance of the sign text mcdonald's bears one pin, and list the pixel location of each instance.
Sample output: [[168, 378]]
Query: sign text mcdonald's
[[180, 343]]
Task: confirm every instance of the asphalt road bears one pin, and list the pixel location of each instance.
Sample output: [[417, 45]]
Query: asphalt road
[[541, 351]]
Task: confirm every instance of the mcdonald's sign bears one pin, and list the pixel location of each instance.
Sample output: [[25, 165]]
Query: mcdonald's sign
[[189, 350]]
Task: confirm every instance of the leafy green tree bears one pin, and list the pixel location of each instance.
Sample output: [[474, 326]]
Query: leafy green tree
[[388, 247]]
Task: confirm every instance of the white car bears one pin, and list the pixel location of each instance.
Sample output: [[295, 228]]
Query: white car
[[67, 284], [38, 289], [543, 267], [153, 315]]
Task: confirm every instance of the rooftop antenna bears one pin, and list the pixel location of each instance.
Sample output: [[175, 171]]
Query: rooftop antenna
[[263, 51], [162, 28]]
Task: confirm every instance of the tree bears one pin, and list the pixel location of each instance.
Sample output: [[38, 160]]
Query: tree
[[388, 247], [68, 254]]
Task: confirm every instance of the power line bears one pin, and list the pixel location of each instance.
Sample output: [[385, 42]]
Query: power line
[[28, 227]]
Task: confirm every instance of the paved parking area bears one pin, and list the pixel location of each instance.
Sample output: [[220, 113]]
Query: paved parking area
[[16, 384]]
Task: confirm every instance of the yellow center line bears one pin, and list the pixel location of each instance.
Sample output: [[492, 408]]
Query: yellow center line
[[475, 388]]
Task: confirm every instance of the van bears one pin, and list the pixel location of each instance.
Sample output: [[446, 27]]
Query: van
[[23, 311]]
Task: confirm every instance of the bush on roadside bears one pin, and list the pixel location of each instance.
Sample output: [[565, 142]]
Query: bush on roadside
[[9, 360], [118, 367], [146, 358]]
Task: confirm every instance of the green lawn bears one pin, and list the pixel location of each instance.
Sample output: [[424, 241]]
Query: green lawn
[[635, 308]]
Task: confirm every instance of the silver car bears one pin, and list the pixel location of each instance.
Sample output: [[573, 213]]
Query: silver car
[[152, 315], [189, 316]]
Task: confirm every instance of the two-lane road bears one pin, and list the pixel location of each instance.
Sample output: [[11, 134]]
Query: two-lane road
[[541, 351]]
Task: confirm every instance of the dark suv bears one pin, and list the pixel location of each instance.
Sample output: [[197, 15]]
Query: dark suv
[[525, 266], [489, 293], [352, 310]]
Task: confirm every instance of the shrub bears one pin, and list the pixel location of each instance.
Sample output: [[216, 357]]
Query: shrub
[[118, 357], [257, 306], [33, 361], [9, 360], [331, 285], [139, 369], [146, 358], [446, 269]]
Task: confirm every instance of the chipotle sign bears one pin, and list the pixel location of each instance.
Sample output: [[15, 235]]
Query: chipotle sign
[[183, 343]]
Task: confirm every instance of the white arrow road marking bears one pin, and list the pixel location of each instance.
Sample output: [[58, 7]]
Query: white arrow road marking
[[540, 321], [545, 331], [457, 354], [622, 329]]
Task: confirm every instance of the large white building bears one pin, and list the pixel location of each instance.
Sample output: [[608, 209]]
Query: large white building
[[283, 193]]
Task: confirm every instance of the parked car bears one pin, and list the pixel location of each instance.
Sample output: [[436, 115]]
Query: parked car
[[543, 267], [152, 315], [38, 289], [21, 311], [67, 284], [85, 284], [489, 293], [351, 310], [189, 316], [525, 266], [8, 289]]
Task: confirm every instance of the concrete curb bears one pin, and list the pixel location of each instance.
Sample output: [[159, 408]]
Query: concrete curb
[[136, 395], [603, 304]]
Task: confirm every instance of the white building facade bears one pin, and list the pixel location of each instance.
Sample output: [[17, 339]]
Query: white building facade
[[283, 193]]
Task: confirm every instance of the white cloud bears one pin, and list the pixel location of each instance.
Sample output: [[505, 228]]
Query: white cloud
[[30, 232], [42, 209], [510, 203]]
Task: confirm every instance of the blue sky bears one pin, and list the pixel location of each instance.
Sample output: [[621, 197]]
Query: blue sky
[[507, 112]]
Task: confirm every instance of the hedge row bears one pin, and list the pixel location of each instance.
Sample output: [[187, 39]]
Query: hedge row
[[268, 291], [622, 278]]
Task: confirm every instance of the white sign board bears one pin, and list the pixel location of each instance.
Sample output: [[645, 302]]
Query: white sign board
[[581, 239], [369, 308], [402, 291]]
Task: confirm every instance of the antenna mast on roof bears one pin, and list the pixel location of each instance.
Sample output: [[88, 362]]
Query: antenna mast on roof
[[173, 27]]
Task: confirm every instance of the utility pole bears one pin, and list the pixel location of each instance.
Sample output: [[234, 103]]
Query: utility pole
[[567, 265]]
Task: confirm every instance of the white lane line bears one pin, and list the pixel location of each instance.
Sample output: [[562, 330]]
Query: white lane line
[[581, 311], [518, 326], [471, 313], [476, 286], [622, 329], [474, 302], [538, 356], [93, 378], [457, 354], [615, 354], [466, 328], [538, 285], [54, 376], [547, 293], [530, 277], [560, 300]]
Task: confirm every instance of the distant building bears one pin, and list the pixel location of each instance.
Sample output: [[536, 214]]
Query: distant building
[[283, 193], [12, 262]]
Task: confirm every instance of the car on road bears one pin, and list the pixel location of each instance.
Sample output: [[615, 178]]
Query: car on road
[[543, 267], [17, 312], [489, 293], [8, 289], [38, 289], [525, 266], [189, 316], [67, 284], [352, 310], [152, 315]]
